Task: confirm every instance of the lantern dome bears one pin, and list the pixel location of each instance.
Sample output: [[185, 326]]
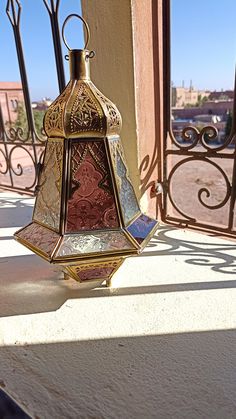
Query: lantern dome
[[81, 110]]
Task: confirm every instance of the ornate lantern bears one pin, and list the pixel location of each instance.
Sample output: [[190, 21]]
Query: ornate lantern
[[86, 216]]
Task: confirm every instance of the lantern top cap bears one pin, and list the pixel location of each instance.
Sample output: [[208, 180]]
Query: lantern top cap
[[86, 28], [81, 110]]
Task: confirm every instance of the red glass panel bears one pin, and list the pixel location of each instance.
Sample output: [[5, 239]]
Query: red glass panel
[[91, 204], [39, 237], [95, 273]]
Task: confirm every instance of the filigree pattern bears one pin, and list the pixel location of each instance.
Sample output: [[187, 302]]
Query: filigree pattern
[[142, 227], [128, 200], [39, 237], [114, 121], [93, 271], [96, 273], [86, 114], [102, 242], [48, 202], [54, 118], [91, 204]]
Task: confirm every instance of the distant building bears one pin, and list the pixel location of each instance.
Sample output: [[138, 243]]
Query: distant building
[[182, 96], [223, 95], [42, 105], [218, 107], [221, 108], [11, 94]]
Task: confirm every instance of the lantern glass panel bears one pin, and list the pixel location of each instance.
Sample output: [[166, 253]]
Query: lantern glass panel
[[110, 241], [141, 227], [48, 202], [43, 239], [128, 199], [95, 273], [91, 203]]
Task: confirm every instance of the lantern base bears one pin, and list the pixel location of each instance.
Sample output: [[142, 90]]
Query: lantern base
[[91, 283], [93, 272]]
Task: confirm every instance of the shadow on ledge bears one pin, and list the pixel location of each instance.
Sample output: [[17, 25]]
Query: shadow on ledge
[[15, 212], [218, 256], [29, 285], [178, 376]]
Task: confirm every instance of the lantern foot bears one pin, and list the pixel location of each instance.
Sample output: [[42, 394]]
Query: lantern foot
[[108, 283]]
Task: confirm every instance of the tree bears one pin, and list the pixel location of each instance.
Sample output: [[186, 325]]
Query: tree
[[201, 100], [21, 120], [173, 96], [228, 124], [38, 120]]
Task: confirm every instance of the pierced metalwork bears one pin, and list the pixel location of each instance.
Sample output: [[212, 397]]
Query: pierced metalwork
[[197, 147], [114, 121], [96, 271], [53, 122], [86, 113]]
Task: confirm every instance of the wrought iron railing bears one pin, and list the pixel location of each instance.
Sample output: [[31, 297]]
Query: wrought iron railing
[[15, 142], [210, 190], [196, 148]]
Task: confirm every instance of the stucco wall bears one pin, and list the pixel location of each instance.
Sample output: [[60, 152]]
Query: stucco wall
[[147, 51], [126, 35], [112, 70]]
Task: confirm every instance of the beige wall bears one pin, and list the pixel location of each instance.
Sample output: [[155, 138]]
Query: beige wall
[[112, 67], [147, 15], [11, 94], [123, 69]]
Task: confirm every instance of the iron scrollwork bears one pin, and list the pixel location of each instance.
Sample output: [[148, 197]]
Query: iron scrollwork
[[28, 142], [197, 147], [199, 150]]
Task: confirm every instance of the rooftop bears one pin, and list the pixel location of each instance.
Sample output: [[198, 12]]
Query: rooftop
[[10, 85]]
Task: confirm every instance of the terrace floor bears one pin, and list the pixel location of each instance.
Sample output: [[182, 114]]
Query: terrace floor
[[161, 343]]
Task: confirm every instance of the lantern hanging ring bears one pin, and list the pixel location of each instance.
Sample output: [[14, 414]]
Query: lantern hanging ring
[[86, 28]]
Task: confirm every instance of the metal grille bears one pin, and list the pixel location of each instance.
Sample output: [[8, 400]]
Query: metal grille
[[14, 143], [207, 167]]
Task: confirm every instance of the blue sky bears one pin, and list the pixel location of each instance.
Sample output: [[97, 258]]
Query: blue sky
[[203, 44], [37, 41]]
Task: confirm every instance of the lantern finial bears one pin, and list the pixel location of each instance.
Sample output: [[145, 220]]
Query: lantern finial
[[86, 28]]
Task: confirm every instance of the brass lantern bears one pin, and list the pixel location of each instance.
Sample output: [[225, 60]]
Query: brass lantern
[[86, 216]]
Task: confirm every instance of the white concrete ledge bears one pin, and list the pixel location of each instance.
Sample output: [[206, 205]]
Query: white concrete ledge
[[160, 343]]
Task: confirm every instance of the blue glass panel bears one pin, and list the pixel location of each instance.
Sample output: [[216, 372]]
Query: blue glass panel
[[141, 227]]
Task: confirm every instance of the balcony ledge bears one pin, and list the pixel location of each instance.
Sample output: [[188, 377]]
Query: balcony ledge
[[159, 343]]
